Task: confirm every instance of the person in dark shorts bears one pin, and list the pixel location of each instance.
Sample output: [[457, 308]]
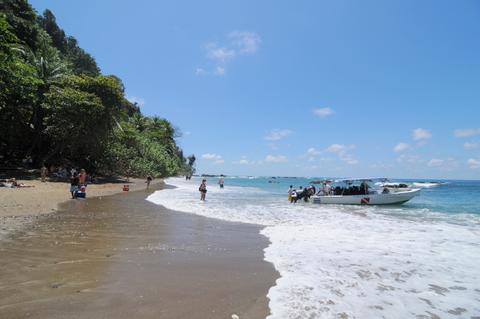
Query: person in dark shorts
[[74, 182], [148, 181], [203, 189]]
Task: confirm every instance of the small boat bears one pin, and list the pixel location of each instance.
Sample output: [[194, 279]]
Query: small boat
[[393, 186], [428, 184], [359, 192]]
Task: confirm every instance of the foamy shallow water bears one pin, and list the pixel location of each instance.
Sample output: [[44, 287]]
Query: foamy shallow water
[[352, 262]]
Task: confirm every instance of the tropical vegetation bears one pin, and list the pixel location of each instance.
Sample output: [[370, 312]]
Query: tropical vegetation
[[57, 108]]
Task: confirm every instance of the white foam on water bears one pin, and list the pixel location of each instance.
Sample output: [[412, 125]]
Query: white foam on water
[[349, 261]]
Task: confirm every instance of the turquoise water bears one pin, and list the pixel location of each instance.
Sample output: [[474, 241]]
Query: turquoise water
[[453, 197]]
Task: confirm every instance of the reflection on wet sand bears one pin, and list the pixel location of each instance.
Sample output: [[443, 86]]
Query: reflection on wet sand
[[124, 257]]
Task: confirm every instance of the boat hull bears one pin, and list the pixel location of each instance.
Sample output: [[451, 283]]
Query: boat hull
[[394, 198]]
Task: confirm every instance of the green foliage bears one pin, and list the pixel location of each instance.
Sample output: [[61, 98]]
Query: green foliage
[[55, 106], [21, 17], [137, 152], [81, 62], [18, 93]]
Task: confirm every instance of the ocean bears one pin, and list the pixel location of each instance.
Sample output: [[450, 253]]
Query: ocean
[[417, 260]]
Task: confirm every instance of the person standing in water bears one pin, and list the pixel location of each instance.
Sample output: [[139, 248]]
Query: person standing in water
[[149, 180], [203, 189], [221, 181], [290, 191]]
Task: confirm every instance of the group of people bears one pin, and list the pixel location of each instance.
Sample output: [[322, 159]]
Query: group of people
[[12, 183], [295, 195], [203, 187]]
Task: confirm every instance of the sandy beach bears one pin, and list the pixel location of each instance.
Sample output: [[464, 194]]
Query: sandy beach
[[43, 198], [123, 257], [24, 205]]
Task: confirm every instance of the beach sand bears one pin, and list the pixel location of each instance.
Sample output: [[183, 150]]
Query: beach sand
[[44, 197], [24, 205], [123, 257]]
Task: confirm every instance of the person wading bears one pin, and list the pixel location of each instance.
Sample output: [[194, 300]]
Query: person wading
[[148, 181], [203, 189]]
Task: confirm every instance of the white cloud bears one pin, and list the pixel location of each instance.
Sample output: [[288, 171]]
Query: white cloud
[[323, 112], [238, 43], [342, 152], [219, 54], [217, 159], [276, 159], [411, 159], [243, 161], [400, 147], [246, 42], [435, 162], [473, 163], [467, 132], [278, 134], [200, 71], [219, 71], [421, 134], [471, 145], [135, 99], [312, 151]]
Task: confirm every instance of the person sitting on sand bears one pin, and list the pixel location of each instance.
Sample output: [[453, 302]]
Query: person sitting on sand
[[74, 181], [203, 189], [12, 183], [148, 181]]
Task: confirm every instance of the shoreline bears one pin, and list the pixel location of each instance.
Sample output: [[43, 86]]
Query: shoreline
[[122, 256], [19, 206]]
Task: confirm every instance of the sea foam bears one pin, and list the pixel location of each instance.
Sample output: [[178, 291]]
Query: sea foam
[[349, 261]]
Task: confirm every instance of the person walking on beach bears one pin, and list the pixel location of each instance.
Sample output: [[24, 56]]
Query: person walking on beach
[[43, 173], [221, 181], [149, 180], [203, 189], [74, 181]]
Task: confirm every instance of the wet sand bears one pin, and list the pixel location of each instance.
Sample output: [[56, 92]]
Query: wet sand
[[123, 257]]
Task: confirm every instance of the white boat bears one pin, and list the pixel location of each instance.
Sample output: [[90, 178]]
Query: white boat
[[394, 186], [351, 194], [428, 184]]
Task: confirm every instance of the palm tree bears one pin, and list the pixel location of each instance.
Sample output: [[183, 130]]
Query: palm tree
[[50, 70]]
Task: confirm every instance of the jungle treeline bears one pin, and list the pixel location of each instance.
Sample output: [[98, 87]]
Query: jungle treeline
[[57, 108]]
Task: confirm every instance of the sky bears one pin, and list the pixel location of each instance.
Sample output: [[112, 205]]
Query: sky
[[299, 88]]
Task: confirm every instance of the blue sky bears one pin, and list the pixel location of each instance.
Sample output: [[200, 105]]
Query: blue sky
[[306, 88]]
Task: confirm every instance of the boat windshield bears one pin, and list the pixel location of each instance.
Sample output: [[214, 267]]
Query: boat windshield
[[349, 187]]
